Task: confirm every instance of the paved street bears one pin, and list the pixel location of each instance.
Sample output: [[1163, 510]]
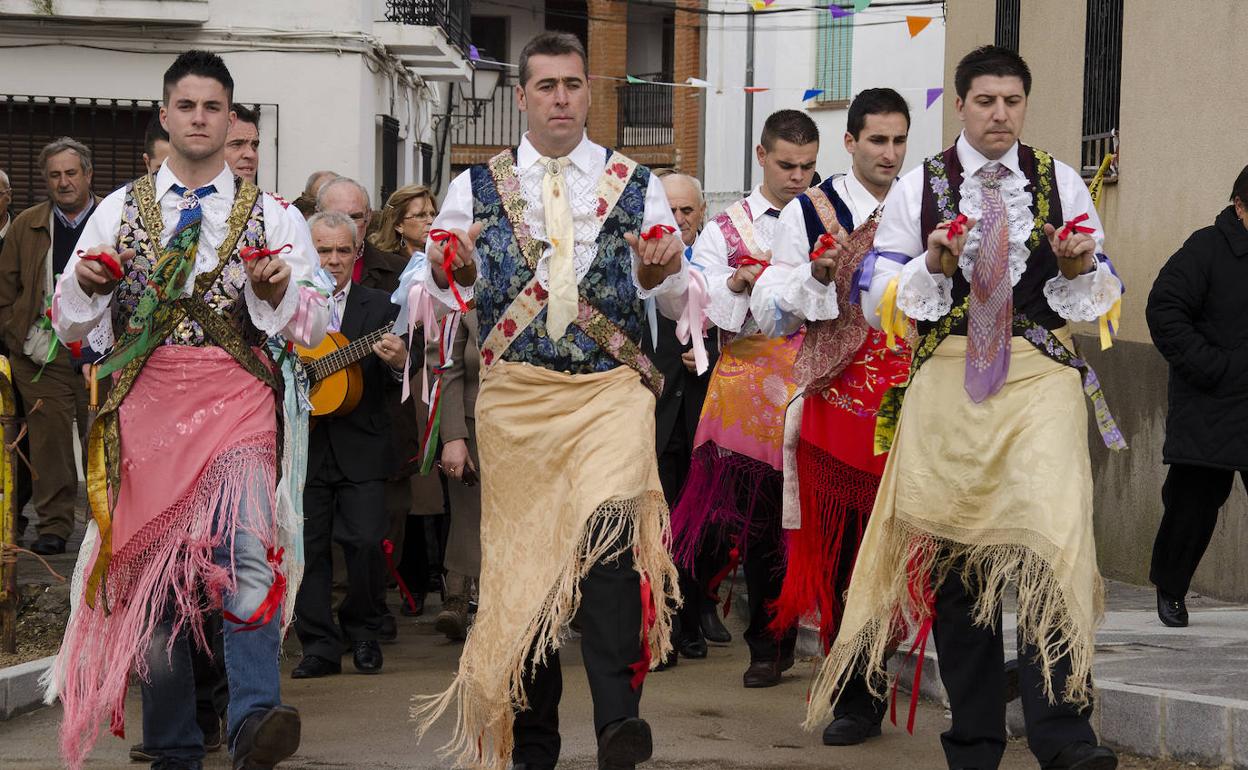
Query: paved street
[[702, 719]]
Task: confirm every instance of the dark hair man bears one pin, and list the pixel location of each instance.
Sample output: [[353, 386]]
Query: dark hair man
[[242, 143], [164, 258], [992, 247], [155, 144], [549, 242]]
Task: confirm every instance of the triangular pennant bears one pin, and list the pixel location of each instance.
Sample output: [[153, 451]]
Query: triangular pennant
[[761, 5], [698, 83], [932, 95], [838, 12], [811, 93], [917, 24], [473, 53], [756, 89], [861, 5], [632, 79]]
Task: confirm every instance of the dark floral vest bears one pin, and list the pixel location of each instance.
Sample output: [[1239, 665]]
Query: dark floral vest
[[608, 287], [225, 296], [942, 183]]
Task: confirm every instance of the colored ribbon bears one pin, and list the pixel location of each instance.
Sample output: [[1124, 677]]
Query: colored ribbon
[[825, 242], [252, 253], [387, 548], [921, 593], [450, 242], [866, 271], [1072, 226], [892, 320], [107, 260], [956, 227], [749, 260], [658, 231], [420, 307], [309, 297], [648, 618], [691, 328], [1108, 322], [272, 603]]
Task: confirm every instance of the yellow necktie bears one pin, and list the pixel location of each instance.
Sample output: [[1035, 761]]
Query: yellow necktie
[[562, 308]]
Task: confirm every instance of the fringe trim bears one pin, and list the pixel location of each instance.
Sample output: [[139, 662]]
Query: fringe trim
[[1045, 620], [483, 727], [719, 482], [166, 569]]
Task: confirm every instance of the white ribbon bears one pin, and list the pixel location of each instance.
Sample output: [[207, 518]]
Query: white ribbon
[[420, 307], [697, 300]]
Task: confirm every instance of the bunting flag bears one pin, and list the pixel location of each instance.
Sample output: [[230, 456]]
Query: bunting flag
[[473, 53], [698, 83], [932, 95], [838, 12], [756, 89], [861, 5], [811, 93], [917, 24], [761, 5], [631, 79]]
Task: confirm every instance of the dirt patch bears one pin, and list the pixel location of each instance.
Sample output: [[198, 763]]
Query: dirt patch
[[41, 617]]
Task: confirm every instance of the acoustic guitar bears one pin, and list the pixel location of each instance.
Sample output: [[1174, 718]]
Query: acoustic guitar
[[334, 371]]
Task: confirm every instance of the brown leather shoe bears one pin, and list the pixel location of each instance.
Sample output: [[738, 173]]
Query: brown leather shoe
[[762, 673]]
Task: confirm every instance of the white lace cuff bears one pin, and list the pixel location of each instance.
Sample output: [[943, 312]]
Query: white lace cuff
[[728, 310], [75, 307], [674, 284], [268, 319], [805, 296], [921, 295], [1085, 297]]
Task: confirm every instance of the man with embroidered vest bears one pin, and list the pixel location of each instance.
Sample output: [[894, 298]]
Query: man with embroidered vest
[[992, 248], [195, 270], [40, 243], [349, 458], [560, 242], [735, 482], [843, 367]]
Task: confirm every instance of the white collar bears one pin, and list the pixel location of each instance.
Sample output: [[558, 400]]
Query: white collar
[[758, 204], [860, 198], [343, 292], [165, 179], [973, 160], [588, 157]]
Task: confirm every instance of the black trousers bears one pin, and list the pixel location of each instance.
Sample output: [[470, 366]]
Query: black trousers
[[354, 516], [610, 623], [1192, 496], [763, 559], [972, 667]]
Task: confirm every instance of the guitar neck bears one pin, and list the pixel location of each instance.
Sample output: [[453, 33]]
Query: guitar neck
[[354, 352]]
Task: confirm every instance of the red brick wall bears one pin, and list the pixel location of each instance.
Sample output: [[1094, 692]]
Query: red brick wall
[[687, 102], [608, 55]]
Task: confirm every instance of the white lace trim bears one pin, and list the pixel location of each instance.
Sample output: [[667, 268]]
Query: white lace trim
[[727, 310], [1087, 297], [921, 295], [802, 294], [267, 318], [1018, 214]]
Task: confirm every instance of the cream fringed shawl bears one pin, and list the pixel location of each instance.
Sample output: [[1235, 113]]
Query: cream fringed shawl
[[568, 471], [1000, 490]]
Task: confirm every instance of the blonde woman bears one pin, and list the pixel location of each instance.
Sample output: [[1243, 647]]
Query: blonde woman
[[405, 220]]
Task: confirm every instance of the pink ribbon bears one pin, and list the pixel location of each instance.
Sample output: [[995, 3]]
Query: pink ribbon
[[419, 307], [692, 324], [308, 299]]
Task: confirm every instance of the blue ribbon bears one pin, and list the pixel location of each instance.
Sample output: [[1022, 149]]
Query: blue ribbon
[[866, 270]]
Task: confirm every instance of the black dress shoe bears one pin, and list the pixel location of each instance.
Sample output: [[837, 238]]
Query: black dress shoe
[[712, 627], [624, 743], [761, 673], [530, 766], [140, 754], [691, 647], [266, 738], [1172, 611], [366, 656], [213, 737], [1012, 689], [389, 632], [406, 609], [669, 662], [48, 545], [315, 667], [1084, 756], [849, 730]]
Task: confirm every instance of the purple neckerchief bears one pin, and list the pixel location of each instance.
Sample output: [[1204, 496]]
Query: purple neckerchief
[[866, 270]]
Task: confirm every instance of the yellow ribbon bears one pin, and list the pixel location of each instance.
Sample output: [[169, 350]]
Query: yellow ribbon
[[892, 320], [1109, 324], [97, 496]]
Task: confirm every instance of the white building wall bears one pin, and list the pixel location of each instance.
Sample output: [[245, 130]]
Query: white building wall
[[785, 47]]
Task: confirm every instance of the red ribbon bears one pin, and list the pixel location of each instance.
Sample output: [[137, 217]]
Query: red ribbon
[[252, 253], [658, 231], [956, 227], [648, 618], [75, 348], [110, 264], [1073, 227], [826, 241], [451, 244], [387, 548], [920, 588], [749, 260], [272, 603]]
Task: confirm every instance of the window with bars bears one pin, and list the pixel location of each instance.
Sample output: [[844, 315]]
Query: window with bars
[[1008, 16], [834, 59], [1102, 83]]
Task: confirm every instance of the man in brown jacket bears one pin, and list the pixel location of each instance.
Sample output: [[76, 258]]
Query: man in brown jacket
[[39, 244]]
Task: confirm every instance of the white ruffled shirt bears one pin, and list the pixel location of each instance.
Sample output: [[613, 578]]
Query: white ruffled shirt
[[924, 296], [77, 315], [588, 162], [729, 310], [787, 294]]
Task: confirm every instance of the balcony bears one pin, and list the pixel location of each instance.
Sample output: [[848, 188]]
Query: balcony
[[430, 37], [644, 115], [500, 124], [189, 12]]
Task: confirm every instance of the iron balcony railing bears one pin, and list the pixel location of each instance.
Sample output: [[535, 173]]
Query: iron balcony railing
[[499, 124], [454, 17], [1095, 148], [644, 115]]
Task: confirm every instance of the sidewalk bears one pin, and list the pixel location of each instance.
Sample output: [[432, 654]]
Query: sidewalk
[[1177, 693]]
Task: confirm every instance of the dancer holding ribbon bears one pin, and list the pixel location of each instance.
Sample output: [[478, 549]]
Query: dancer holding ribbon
[[988, 480], [196, 459], [546, 243], [733, 493], [843, 368]]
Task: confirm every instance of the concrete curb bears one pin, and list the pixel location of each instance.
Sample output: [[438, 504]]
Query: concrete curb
[[19, 687]]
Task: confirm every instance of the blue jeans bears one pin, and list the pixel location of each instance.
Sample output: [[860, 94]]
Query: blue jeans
[[170, 730]]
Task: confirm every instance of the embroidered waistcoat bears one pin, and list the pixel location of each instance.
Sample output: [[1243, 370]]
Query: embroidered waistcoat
[[225, 296], [608, 286], [810, 215], [942, 182]]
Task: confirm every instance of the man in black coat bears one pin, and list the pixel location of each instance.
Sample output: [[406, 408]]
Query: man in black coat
[[1196, 317], [349, 459]]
